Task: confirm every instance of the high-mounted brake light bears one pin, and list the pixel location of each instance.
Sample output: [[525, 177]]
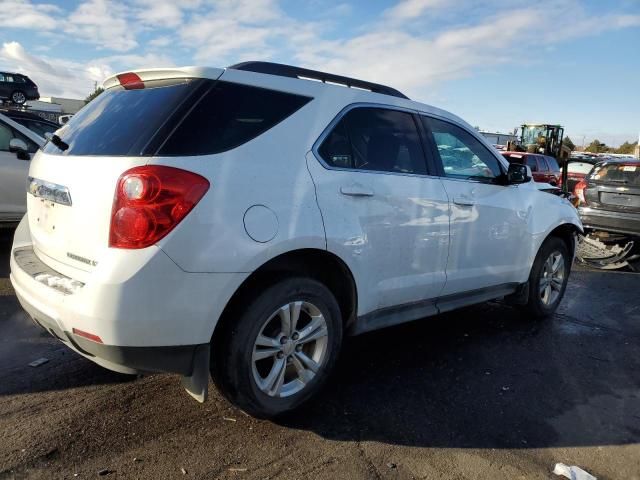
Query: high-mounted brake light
[[130, 81], [150, 201], [579, 191]]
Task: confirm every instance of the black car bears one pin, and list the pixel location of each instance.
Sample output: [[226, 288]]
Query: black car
[[610, 197], [32, 121], [17, 88]]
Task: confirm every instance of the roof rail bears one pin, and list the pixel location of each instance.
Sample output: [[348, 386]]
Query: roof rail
[[282, 70]]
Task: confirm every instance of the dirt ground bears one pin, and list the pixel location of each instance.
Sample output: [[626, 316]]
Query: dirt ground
[[479, 394]]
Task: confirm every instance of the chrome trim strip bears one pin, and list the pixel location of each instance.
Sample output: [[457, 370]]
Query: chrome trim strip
[[49, 191]]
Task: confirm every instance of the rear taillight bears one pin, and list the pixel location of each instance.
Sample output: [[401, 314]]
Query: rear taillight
[[150, 201], [579, 191]]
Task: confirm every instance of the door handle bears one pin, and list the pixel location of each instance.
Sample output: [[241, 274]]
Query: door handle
[[464, 201], [356, 191]]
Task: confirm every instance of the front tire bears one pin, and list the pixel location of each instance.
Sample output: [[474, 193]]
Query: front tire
[[18, 97], [548, 278], [280, 349]]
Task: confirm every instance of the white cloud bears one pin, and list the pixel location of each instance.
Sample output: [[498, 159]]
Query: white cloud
[[409, 9], [24, 14], [54, 76], [163, 13], [103, 23], [412, 45], [160, 42]]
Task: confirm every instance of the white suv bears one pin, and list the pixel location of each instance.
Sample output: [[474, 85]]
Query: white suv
[[241, 221]]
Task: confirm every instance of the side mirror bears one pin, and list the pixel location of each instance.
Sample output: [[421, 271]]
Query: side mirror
[[518, 173], [19, 147]]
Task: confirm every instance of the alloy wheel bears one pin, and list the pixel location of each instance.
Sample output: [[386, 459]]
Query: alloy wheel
[[552, 278], [290, 349], [18, 97]]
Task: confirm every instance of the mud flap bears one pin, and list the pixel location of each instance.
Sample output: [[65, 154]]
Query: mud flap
[[197, 384], [520, 296]]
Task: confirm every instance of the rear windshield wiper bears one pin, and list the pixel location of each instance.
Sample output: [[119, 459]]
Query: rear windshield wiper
[[58, 142]]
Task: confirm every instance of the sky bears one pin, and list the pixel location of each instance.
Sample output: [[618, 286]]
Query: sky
[[495, 63]]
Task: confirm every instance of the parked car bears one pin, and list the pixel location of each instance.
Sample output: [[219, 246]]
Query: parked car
[[250, 217], [17, 88], [610, 197], [17, 144], [545, 169], [32, 121], [577, 170]]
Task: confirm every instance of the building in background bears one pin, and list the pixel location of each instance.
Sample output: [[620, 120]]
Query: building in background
[[499, 139], [51, 108]]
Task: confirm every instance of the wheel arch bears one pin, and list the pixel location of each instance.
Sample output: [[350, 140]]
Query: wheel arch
[[318, 264], [567, 233]]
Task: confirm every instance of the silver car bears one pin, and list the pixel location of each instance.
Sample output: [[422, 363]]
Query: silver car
[[17, 145]]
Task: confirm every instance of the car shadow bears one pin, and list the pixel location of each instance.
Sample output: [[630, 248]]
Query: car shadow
[[483, 377]]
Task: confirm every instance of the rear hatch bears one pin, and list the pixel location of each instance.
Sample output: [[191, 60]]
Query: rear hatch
[[73, 178], [615, 186]]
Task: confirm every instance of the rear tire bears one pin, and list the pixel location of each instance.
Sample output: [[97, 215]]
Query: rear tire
[[267, 366], [548, 278], [18, 97]]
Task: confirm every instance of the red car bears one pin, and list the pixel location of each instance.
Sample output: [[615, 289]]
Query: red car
[[544, 169]]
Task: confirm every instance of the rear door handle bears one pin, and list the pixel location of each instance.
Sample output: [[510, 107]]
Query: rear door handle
[[356, 191], [464, 200]]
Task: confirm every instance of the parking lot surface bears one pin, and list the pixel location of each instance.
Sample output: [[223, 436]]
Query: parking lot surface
[[478, 394]]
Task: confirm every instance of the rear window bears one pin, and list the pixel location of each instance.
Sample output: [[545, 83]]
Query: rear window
[[184, 117], [579, 167], [628, 174]]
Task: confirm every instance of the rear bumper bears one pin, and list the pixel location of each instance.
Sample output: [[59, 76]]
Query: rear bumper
[[618, 222], [124, 359], [157, 319]]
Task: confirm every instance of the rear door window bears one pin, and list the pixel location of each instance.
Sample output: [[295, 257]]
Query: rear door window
[[173, 117], [375, 139], [532, 163]]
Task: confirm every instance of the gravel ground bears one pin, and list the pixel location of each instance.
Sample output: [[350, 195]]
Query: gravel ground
[[478, 394]]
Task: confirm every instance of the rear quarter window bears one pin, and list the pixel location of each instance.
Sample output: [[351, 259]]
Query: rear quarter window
[[229, 115]]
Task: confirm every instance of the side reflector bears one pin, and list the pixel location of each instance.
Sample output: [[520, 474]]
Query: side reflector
[[130, 81], [87, 335]]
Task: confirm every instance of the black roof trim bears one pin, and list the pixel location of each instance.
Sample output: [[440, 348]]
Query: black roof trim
[[282, 70]]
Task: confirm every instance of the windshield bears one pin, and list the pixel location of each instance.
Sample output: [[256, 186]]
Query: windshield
[[624, 173], [534, 135]]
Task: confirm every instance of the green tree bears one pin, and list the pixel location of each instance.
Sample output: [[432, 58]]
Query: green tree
[[97, 91], [626, 148], [597, 147], [568, 143]]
